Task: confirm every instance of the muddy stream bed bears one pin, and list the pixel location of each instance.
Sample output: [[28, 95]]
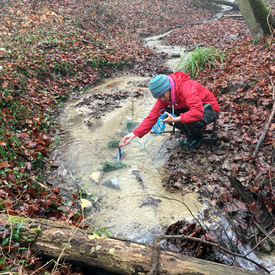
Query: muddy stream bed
[[129, 202]]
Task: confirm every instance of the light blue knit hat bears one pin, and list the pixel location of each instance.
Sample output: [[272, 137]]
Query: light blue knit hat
[[159, 85]]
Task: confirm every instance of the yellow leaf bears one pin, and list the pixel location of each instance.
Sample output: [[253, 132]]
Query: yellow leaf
[[94, 236], [85, 203]]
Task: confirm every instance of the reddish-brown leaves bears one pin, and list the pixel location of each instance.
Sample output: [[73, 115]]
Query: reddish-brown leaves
[[188, 246]]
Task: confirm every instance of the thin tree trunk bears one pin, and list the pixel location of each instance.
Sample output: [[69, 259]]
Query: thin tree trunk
[[257, 16]]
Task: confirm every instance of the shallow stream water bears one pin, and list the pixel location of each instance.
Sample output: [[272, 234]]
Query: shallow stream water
[[141, 207], [125, 211]]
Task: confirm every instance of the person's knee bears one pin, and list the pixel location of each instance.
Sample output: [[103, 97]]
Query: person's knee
[[209, 115], [169, 109], [181, 127]]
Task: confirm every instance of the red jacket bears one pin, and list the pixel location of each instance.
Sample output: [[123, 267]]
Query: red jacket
[[189, 94]]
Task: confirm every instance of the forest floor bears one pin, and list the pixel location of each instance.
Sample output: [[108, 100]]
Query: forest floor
[[51, 52]]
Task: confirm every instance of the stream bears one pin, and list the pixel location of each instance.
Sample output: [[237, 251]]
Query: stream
[[129, 202], [123, 207]]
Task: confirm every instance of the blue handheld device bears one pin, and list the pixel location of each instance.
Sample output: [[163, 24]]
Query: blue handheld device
[[119, 153]]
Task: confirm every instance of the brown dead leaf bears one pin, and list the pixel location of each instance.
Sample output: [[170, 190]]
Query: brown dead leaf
[[252, 206], [4, 164], [2, 143], [8, 204], [11, 177]]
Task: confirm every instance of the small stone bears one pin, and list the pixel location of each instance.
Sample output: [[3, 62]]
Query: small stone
[[113, 183], [85, 203], [64, 172], [96, 176]]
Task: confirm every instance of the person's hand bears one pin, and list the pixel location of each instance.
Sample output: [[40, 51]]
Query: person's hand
[[170, 118], [126, 139]]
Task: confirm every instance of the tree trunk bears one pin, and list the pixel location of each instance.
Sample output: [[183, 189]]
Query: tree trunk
[[257, 16], [59, 240]]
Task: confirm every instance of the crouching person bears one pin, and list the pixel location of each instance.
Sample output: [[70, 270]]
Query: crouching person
[[193, 105]]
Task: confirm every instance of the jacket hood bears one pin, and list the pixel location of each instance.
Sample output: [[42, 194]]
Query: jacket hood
[[180, 76]]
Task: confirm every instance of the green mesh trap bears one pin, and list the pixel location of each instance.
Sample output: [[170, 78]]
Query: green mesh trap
[[112, 166]]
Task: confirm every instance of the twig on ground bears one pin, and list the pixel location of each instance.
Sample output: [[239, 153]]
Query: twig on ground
[[259, 243], [65, 247], [104, 28], [47, 263], [182, 202], [261, 139], [273, 154], [270, 181], [156, 251]]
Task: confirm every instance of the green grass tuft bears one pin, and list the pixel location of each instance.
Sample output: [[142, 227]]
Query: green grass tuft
[[201, 57]]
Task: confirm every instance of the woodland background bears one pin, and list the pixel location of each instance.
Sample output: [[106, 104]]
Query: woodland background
[[51, 51]]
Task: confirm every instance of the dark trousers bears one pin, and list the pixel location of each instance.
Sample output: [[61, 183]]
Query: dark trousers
[[195, 128]]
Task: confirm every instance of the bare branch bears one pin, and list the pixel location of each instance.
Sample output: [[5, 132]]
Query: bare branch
[[259, 243], [268, 121], [184, 237]]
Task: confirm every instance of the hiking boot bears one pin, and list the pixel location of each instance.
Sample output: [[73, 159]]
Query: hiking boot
[[197, 139], [185, 141], [194, 143]]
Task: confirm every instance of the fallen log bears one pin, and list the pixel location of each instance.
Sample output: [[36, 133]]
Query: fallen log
[[61, 241]]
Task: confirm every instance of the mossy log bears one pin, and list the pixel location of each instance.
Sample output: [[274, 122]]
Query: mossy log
[[60, 240]]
